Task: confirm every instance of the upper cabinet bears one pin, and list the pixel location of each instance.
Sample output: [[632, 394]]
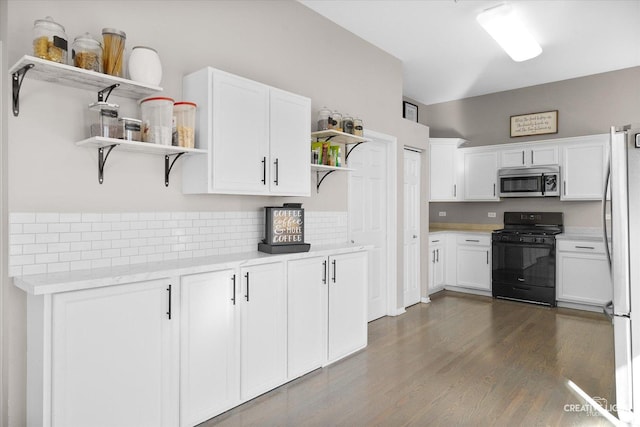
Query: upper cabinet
[[481, 175], [257, 137], [583, 167], [523, 155], [445, 169]]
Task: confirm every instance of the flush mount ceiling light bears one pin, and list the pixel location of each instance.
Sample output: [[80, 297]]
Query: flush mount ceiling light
[[504, 26]]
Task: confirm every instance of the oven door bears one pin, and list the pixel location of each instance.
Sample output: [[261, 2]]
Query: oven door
[[532, 264], [521, 186]]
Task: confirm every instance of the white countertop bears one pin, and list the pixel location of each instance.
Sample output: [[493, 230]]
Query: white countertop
[[39, 284], [591, 234]]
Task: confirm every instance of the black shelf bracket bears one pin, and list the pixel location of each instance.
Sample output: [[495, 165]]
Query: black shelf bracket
[[168, 165], [102, 159], [17, 79], [319, 179], [346, 156], [109, 89]]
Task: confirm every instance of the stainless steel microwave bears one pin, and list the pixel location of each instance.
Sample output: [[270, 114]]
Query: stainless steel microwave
[[542, 181]]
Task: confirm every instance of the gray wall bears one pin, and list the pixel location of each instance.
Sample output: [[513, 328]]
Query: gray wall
[[280, 43], [586, 105], [4, 368]]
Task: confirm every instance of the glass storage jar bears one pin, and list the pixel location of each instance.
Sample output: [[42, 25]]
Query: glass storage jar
[[157, 120], [130, 128], [87, 53], [358, 128], [49, 40], [323, 118], [185, 118], [103, 119], [347, 124], [113, 51], [335, 121]]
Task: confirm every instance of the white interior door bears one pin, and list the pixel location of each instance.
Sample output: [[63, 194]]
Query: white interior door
[[411, 227], [368, 201]]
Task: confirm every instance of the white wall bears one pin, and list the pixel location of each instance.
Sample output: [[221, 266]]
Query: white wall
[[280, 43]]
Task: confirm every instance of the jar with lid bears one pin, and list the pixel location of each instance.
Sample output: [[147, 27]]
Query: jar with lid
[[335, 121], [130, 128], [145, 66], [358, 128], [347, 124], [323, 118], [113, 51], [87, 53], [157, 120], [49, 40], [103, 119]]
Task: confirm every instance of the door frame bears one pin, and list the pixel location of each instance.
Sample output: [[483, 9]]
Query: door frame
[[391, 144]]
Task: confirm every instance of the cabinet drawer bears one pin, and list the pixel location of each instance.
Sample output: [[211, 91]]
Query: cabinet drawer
[[585, 246], [475, 240]]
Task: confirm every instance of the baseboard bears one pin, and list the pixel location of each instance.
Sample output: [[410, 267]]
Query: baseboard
[[578, 306], [425, 300]]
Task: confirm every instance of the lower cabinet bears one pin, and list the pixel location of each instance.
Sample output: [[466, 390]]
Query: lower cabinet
[[583, 273], [473, 254], [113, 356], [437, 262]]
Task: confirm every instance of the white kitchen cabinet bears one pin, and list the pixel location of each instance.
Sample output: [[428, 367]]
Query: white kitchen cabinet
[[347, 322], [256, 137], [209, 346], [473, 267], [263, 303], [527, 155], [480, 175], [445, 169], [583, 273], [113, 356], [307, 315], [437, 259], [583, 168]]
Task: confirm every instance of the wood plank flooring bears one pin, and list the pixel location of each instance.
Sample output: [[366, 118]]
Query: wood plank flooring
[[459, 360]]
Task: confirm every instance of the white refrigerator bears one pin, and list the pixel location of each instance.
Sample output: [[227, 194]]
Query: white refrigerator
[[624, 259]]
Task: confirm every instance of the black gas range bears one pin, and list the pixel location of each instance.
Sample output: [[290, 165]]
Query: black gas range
[[524, 257]]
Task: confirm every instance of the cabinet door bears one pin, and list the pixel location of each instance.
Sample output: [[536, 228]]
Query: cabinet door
[[545, 155], [113, 357], [436, 265], [480, 175], [264, 329], [473, 268], [240, 149], [513, 158], [307, 315], [584, 278], [443, 184], [209, 346], [347, 304], [583, 167], [290, 124]]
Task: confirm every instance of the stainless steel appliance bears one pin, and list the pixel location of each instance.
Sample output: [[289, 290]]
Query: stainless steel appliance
[[524, 257], [624, 259], [539, 181]]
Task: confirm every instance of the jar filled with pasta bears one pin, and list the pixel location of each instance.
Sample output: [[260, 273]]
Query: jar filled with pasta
[[87, 53], [49, 40], [113, 51]]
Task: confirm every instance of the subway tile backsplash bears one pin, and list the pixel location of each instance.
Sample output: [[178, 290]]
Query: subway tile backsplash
[[55, 242]]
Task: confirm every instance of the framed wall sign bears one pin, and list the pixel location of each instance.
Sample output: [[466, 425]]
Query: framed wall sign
[[534, 124], [409, 111]]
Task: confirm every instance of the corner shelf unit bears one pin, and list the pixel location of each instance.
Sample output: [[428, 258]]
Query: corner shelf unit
[[102, 143], [68, 75], [349, 141]]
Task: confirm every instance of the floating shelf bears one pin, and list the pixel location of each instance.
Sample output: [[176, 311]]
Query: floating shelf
[[322, 171], [101, 143], [68, 75], [338, 137], [330, 168]]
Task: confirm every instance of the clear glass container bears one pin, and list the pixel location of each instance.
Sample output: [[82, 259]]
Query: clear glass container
[[323, 118], [49, 40], [103, 120], [347, 124], [185, 118], [113, 51], [157, 120], [335, 121], [130, 128], [87, 53], [358, 128]]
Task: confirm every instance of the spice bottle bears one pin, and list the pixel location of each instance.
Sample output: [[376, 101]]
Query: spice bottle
[[49, 40], [358, 128], [335, 121], [87, 53], [323, 118], [113, 51], [347, 124]]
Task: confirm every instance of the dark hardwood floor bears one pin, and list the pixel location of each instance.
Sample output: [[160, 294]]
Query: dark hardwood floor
[[459, 360]]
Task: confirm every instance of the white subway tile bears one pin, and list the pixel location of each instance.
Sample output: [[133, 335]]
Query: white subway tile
[[59, 228], [129, 234], [123, 260], [137, 259], [146, 250], [169, 256], [155, 257], [145, 234], [22, 218], [70, 256], [110, 235], [46, 258], [34, 249], [57, 267], [80, 227], [70, 217], [185, 255], [101, 263], [121, 243], [22, 259], [163, 216], [45, 218], [120, 226], [58, 247], [15, 228], [101, 244], [147, 216], [101, 226], [80, 246], [70, 237], [129, 216], [91, 217], [79, 265], [92, 254], [34, 228], [91, 235], [178, 215], [47, 238], [15, 249], [192, 215], [128, 252], [34, 269], [15, 270], [111, 217]]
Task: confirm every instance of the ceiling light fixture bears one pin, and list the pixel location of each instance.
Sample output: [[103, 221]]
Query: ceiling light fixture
[[506, 29]]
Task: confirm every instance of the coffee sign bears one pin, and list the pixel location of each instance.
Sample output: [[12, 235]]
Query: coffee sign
[[285, 226]]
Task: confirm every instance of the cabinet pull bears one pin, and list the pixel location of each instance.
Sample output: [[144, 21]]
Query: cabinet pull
[[494, 189], [264, 171], [246, 296], [276, 180], [523, 157], [169, 312], [585, 247], [324, 272], [437, 255], [233, 298], [334, 270], [435, 241], [454, 190], [433, 256], [487, 257], [472, 240], [564, 188], [531, 156]]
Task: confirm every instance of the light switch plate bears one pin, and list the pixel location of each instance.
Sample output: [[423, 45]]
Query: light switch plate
[[442, 213], [491, 214]]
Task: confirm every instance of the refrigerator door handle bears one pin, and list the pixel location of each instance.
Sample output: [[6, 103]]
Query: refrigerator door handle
[[607, 179]]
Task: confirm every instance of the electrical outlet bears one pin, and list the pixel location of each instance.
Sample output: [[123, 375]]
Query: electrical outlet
[[442, 214], [491, 214]]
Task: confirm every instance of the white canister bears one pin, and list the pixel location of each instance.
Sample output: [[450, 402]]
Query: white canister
[[145, 66], [157, 118]]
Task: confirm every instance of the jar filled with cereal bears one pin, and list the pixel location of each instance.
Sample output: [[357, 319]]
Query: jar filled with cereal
[[87, 53], [49, 40]]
